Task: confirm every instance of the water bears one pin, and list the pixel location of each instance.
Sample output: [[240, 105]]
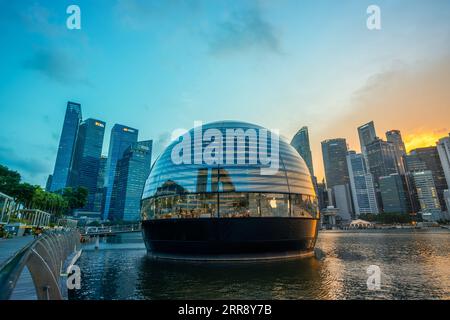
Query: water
[[414, 265]]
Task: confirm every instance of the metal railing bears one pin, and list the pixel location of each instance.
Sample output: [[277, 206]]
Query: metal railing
[[44, 258], [106, 230]]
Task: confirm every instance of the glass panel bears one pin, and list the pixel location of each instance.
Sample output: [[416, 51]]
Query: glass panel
[[274, 205], [234, 205]]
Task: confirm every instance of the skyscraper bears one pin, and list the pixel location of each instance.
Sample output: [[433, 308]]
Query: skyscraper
[[422, 159], [362, 186], [394, 194], [443, 148], [300, 142], [334, 153], [132, 171], [72, 120], [86, 159], [381, 158], [343, 202], [99, 195], [427, 195], [366, 134], [395, 137], [121, 138]]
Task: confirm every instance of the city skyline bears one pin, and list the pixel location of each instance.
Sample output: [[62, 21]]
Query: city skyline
[[159, 68]]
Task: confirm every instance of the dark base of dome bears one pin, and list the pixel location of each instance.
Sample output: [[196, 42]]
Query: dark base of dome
[[226, 239]]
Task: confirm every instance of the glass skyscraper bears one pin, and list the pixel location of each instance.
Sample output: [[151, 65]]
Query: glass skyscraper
[[366, 135], [132, 171], [86, 159], [394, 194], [362, 186], [61, 171], [395, 137], [334, 152], [443, 148], [300, 142], [381, 159], [422, 159], [121, 138]]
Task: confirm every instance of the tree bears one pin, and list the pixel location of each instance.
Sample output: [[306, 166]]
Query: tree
[[9, 180], [76, 197]]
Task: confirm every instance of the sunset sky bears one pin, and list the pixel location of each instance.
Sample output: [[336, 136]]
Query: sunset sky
[[161, 65]]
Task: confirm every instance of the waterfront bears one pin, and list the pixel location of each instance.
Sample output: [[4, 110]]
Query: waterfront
[[414, 265]]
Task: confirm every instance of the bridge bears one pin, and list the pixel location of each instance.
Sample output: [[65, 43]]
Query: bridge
[[109, 230], [49, 258]]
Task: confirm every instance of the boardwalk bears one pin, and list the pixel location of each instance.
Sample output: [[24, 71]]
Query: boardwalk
[[24, 287]]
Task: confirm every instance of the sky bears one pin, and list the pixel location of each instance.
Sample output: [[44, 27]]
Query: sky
[[161, 65]]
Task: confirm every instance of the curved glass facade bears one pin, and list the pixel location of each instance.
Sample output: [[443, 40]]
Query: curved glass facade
[[230, 189]]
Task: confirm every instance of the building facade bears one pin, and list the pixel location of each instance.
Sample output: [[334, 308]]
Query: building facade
[[366, 134], [394, 194], [427, 195], [381, 159], [132, 171], [395, 137], [300, 142], [342, 200], [422, 159], [443, 148], [66, 146], [362, 186], [86, 159], [99, 195], [121, 138], [334, 153]]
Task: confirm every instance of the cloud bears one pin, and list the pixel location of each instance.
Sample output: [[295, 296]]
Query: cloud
[[32, 169], [160, 144], [34, 17], [243, 30], [138, 14], [57, 65], [413, 98]]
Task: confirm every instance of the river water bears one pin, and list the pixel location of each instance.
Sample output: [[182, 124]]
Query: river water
[[413, 264]]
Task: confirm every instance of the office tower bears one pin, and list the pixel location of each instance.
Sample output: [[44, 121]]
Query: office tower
[[99, 195], [366, 135], [422, 159], [48, 184], [381, 159], [394, 194], [300, 142], [334, 153], [362, 186], [447, 199], [443, 147], [343, 202], [427, 195], [322, 195], [132, 171], [72, 120], [86, 159], [121, 138], [395, 137]]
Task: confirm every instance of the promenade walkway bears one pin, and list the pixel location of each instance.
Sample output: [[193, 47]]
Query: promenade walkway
[[24, 289], [10, 246]]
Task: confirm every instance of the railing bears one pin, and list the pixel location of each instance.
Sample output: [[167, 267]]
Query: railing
[[106, 230], [44, 258]]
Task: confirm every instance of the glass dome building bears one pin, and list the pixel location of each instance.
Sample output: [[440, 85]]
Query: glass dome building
[[211, 196]]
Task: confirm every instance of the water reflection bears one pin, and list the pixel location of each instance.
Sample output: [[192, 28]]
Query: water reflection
[[414, 266]]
